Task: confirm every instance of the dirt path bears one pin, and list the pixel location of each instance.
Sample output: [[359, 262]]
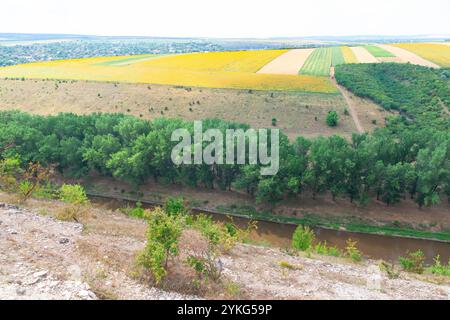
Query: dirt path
[[288, 63], [351, 107], [407, 56]]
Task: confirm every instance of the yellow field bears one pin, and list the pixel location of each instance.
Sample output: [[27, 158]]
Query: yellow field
[[437, 53], [349, 56], [212, 70]]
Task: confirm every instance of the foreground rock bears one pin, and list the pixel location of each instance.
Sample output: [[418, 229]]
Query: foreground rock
[[40, 259], [44, 258]]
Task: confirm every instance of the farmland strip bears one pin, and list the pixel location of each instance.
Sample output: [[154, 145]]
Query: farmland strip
[[287, 63]]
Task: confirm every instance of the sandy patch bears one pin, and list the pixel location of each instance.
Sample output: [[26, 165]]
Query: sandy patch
[[407, 56], [363, 55], [287, 63]]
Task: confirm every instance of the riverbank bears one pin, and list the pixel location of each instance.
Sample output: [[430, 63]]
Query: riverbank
[[99, 250], [401, 221]]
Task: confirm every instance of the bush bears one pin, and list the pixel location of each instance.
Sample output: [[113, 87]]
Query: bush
[[323, 248], [175, 206], [332, 119], [73, 194], [413, 262], [440, 269], [351, 251], [137, 212], [274, 122], [303, 238], [390, 270], [163, 232]]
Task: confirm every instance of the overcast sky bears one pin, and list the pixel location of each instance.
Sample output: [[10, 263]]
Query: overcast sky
[[230, 18]]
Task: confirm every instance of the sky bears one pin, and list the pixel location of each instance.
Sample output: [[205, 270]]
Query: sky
[[229, 18]]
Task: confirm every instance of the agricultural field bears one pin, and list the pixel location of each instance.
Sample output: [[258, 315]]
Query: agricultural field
[[320, 61], [379, 52], [434, 52], [235, 70], [348, 54], [337, 56]]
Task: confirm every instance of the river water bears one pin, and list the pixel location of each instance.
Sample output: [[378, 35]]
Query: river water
[[373, 246]]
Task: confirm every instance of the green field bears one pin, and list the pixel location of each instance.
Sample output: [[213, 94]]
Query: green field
[[320, 61], [337, 56], [378, 52]]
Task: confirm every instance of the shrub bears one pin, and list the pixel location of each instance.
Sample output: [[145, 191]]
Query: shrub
[[323, 248], [218, 235], [352, 251], [274, 122], [163, 232], [137, 212], [73, 194], [175, 206], [9, 170], [33, 177], [302, 238], [438, 268], [287, 265], [332, 119], [206, 265], [413, 262], [390, 270]]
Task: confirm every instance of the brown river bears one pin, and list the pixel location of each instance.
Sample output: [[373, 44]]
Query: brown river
[[373, 246]]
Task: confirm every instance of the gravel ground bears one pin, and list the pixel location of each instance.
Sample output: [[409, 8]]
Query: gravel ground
[[44, 258], [40, 259]]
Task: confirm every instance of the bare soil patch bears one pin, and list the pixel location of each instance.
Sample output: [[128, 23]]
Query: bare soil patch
[[288, 63], [363, 56], [407, 56]]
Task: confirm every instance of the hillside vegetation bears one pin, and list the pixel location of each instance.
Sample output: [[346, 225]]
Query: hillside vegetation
[[421, 94]]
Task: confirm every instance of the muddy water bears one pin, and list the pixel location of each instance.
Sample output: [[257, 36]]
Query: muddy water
[[373, 246]]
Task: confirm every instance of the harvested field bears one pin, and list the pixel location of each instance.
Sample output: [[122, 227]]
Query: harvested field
[[363, 56], [296, 113], [408, 56], [287, 63], [348, 54], [438, 54]]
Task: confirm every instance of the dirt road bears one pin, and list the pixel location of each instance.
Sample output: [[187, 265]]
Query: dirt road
[[351, 106]]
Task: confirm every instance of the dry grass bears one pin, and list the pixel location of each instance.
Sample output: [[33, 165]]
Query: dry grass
[[296, 113]]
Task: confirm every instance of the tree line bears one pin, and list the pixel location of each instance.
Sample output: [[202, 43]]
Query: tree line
[[410, 157], [414, 164]]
